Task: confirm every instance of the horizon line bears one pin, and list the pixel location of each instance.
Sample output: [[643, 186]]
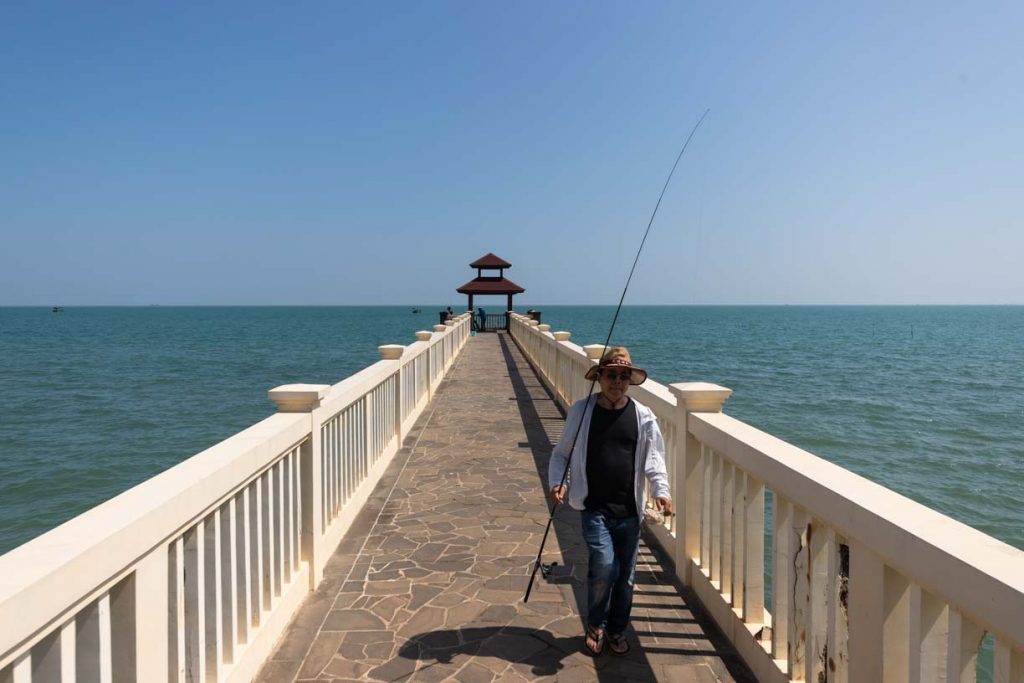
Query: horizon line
[[577, 305]]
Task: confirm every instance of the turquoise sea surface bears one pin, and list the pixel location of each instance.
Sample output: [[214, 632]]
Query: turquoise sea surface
[[928, 401]]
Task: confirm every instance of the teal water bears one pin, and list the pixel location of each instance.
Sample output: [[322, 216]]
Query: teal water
[[928, 401]]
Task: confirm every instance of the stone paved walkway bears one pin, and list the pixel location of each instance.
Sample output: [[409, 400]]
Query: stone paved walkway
[[428, 584]]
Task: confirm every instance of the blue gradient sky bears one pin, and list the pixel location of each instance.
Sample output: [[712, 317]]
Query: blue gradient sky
[[345, 153]]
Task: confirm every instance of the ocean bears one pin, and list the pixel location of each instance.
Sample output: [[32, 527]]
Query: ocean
[[926, 400]]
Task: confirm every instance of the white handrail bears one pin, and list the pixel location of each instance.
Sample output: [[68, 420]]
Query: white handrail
[[194, 574], [867, 584]]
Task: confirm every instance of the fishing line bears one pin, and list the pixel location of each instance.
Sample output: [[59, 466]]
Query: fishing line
[[593, 382]]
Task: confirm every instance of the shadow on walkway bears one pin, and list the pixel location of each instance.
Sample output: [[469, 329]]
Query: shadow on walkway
[[507, 643]]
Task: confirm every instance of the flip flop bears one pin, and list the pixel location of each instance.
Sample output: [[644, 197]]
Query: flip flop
[[618, 645], [596, 636]]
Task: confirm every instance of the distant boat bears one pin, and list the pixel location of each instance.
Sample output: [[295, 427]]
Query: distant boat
[[58, 309], [417, 310]]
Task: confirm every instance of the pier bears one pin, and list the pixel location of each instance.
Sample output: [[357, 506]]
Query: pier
[[383, 528]]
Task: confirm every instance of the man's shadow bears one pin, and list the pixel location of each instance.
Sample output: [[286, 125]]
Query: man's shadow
[[541, 650]]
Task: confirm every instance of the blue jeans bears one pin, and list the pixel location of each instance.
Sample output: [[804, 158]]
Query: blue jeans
[[612, 545]]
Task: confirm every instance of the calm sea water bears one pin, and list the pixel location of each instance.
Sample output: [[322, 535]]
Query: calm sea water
[[928, 401]]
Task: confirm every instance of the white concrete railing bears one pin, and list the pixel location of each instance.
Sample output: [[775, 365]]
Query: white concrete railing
[[867, 584], [194, 574]]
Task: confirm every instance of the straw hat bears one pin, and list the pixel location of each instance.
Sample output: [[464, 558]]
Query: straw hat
[[617, 357]]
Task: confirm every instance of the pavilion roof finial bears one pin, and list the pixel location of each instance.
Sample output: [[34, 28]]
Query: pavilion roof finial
[[489, 260]]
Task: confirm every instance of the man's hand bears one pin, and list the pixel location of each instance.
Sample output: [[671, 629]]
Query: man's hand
[[558, 495], [663, 505]]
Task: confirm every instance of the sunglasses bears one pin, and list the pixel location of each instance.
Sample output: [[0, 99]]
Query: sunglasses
[[612, 375]]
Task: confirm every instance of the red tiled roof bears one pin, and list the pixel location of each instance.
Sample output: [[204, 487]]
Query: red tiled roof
[[489, 260], [490, 285]]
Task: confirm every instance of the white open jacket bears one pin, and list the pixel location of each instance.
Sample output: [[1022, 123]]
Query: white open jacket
[[649, 458]]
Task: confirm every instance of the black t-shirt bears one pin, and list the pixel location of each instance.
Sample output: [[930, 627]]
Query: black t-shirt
[[611, 461]]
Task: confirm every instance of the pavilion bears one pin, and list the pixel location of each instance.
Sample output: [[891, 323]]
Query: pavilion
[[490, 285]]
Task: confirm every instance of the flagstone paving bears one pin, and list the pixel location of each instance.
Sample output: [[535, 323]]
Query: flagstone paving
[[428, 583]]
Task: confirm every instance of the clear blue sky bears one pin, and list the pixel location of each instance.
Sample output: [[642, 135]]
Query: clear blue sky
[[345, 153]]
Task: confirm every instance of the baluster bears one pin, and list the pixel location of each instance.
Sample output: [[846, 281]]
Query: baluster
[[68, 652], [726, 523], [352, 444], [269, 563], [286, 517], [195, 602], [897, 656], [279, 529], [866, 613], [715, 566], [212, 596], [934, 637], [672, 457], [344, 464], [364, 430], [693, 502], [176, 657], [397, 407], [21, 670], [374, 420], [708, 504], [753, 552], [256, 545], [963, 642], [331, 474], [350, 447], [229, 577], [1008, 664], [782, 575], [799, 594], [243, 566], [327, 480], [296, 507], [339, 476], [821, 554]]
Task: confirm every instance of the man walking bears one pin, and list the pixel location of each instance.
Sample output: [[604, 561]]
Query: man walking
[[619, 444]]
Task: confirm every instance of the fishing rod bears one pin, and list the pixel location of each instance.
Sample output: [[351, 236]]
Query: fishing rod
[[593, 382]]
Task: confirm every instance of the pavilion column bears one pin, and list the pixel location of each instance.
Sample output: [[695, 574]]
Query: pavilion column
[[470, 302]]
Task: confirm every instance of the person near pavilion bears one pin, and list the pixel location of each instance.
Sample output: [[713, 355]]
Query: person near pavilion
[[619, 445]]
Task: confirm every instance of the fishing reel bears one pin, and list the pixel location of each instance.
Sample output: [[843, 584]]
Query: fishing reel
[[546, 569]]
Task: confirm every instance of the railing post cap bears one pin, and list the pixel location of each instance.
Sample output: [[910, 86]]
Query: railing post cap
[[439, 328], [424, 335], [532, 323], [544, 328], [449, 323], [700, 397], [562, 335], [298, 398], [391, 351], [594, 351]]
